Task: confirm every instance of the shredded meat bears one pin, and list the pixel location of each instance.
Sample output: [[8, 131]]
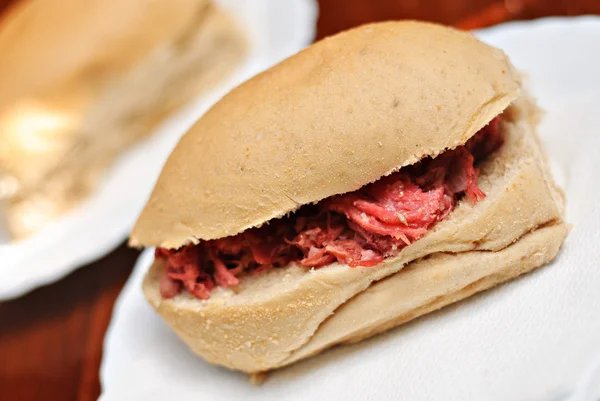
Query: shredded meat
[[359, 228]]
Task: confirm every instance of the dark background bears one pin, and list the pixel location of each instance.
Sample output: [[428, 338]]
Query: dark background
[[51, 339]]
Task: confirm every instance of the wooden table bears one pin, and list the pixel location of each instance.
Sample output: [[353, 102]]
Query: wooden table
[[51, 339]]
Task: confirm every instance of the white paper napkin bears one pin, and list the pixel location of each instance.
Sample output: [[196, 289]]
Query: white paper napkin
[[277, 29], [536, 338]]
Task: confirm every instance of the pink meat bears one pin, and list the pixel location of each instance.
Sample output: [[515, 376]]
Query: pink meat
[[359, 228]]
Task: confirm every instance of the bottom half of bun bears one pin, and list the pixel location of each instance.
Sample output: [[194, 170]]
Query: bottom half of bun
[[421, 287]]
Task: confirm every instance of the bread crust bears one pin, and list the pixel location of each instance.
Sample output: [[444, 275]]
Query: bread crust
[[339, 115], [283, 315]]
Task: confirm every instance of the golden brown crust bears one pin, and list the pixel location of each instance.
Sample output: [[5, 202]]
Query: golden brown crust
[[334, 117], [277, 317]]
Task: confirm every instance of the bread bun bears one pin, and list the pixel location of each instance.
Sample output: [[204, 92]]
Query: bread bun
[[83, 80], [340, 114], [282, 315]]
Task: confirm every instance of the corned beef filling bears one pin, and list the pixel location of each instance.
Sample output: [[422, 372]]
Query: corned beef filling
[[359, 228]]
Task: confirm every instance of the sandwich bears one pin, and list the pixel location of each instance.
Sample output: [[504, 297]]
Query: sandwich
[[82, 81], [372, 178]]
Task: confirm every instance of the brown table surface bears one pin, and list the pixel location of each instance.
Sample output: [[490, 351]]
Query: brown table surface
[[51, 339]]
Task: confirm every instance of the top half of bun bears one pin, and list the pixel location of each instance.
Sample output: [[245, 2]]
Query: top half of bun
[[336, 116], [60, 43]]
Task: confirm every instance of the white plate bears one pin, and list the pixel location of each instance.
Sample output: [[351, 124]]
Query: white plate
[[535, 338], [277, 29]]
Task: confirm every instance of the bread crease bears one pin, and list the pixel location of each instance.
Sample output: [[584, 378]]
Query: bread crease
[[446, 278]]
